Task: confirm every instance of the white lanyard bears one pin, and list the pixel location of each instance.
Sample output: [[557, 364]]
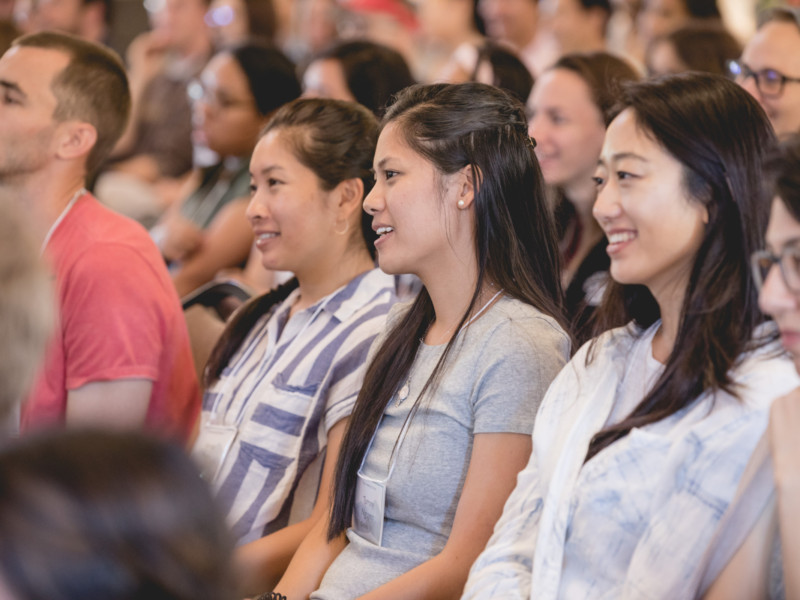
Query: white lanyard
[[401, 438], [60, 218]]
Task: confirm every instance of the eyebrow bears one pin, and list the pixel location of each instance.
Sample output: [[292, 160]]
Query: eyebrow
[[10, 85], [268, 169], [383, 161]]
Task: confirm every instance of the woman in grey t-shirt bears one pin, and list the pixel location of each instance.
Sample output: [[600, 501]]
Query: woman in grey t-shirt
[[442, 423]]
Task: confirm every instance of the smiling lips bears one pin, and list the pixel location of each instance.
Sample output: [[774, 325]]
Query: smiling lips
[[617, 240], [382, 231], [263, 238]]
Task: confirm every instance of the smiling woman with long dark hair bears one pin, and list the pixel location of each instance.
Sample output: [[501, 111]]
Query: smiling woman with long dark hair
[[642, 439]]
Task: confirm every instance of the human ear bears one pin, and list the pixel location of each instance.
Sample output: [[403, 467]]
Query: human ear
[[349, 197], [75, 139], [465, 186]]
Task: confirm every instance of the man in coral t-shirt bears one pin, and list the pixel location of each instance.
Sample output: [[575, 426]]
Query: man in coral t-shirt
[[120, 356]]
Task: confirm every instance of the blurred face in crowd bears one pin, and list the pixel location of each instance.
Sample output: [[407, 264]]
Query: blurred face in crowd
[[568, 128], [663, 60], [654, 228], [228, 22], [226, 113], [573, 26], [658, 17], [26, 110], [178, 23], [293, 218], [775, 47], [510, 20], [780, 292], [324, 78]]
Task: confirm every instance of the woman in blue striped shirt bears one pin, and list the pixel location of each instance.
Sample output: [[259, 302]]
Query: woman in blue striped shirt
[[284, 376]]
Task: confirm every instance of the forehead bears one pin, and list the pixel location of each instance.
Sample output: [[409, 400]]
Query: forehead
[[625, 135], [561, 87], [783, 227], [33, 70], [775, 45]]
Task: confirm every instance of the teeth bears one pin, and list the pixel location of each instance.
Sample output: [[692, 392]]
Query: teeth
[[384, 230], [267, 236], [618, 238]]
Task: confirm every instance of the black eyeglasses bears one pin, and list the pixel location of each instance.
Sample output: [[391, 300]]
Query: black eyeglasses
[[788, 260], [768, 81]]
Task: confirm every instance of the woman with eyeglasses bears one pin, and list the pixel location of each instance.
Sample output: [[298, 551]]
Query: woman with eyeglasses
[[641, 440], [207, 230], [777, 270]]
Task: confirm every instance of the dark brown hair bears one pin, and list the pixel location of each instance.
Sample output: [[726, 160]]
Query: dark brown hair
[[453, 127], [701, 46], [721, 136], [91, 515], [92, 88], [336, 140], [783, 168]]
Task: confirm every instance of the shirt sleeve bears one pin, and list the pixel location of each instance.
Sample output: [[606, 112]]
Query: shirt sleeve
[[517, 365], [112, 320]]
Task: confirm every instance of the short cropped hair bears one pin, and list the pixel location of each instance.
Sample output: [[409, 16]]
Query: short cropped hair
[[92, 88]]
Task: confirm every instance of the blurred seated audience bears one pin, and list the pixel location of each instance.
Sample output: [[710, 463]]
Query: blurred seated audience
[[155, 152], [90, 515], [659, 17], [88, 19], [706, 47], [579, 25], [770, 68], [207, 231], [572, 104], [120, 355], [517, 23], [359, 71], [446, 25], [235, 22], [491, 64]]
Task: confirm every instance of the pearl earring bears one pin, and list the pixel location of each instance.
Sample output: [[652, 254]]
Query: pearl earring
[[461, 204]]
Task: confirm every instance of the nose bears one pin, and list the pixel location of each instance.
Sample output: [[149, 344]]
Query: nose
[[373, 202], [256, 209], [606, 206], [775, 298]]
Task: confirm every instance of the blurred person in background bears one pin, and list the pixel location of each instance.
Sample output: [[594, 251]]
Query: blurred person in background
[[578, 25], [88, 19], [27, 310], [770, 68], [517, 23], [704, 47], [659, 17], [235, 22], [571, 107], [234, 98], [446, 26], [114, 516]]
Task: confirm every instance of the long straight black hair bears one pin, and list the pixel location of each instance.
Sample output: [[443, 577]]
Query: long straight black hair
[[455, 126], [336, 140], [721, 136]]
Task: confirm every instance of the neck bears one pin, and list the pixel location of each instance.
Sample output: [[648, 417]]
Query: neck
[[670, 304], [324, 279], [450, 293], [45, 198]]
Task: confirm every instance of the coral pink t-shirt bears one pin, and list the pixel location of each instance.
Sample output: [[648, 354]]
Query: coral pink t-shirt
[[119, 318]]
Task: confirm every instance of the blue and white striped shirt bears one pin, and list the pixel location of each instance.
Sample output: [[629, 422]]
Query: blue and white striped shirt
[[287, 385]]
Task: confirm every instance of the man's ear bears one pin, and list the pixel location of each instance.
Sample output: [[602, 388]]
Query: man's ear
[[75, 139]]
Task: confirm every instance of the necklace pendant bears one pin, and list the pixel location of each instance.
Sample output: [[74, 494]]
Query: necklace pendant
[[402, 394]]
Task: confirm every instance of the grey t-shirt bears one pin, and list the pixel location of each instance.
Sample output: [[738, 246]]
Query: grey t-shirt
[[494, 380]]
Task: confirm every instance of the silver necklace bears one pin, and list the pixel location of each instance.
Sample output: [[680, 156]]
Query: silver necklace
[[405, 390]]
